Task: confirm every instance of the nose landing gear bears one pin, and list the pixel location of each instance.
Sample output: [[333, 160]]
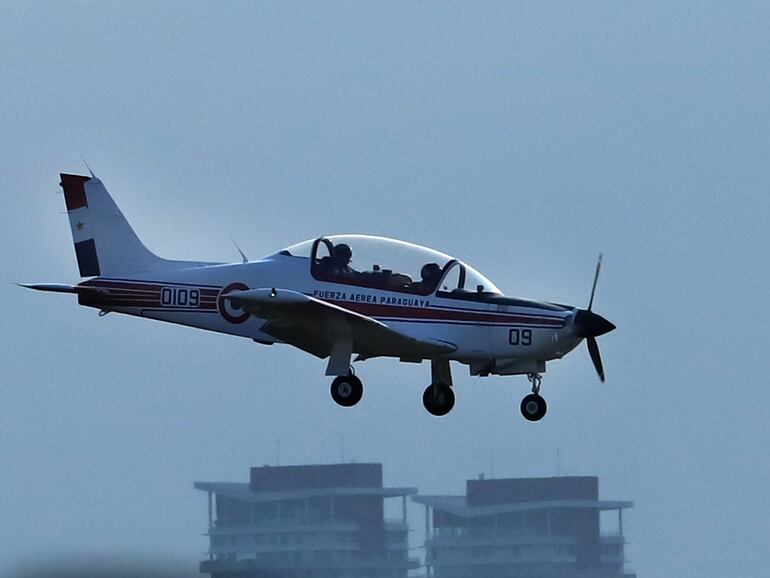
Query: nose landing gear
[[533, 407]]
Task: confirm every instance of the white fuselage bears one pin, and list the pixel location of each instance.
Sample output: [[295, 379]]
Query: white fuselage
[[496, 335]]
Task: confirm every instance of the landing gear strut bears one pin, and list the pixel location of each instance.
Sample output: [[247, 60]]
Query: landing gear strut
[[533, 407], [347, 390], [439, 399]]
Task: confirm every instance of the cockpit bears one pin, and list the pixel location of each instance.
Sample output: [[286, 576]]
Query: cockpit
[[391, 265]]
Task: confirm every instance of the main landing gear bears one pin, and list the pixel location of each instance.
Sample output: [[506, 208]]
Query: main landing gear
[[439, 399], [347, 390], [533, 407]]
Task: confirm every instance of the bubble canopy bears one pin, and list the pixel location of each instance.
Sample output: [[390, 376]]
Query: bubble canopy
[[389, 264]]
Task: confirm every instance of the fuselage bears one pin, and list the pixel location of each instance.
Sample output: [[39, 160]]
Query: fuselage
[[492, 333]]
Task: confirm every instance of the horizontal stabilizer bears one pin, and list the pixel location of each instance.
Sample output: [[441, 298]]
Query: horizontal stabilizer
[[59, 288]]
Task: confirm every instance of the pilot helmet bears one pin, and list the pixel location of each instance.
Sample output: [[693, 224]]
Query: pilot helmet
[[342, 252], [430, 271]]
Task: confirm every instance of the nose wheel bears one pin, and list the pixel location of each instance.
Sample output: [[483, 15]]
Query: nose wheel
[[533, 407], [438, 399], [347, 390]]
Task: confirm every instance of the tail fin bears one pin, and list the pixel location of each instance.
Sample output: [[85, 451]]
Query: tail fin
[[105, 243]]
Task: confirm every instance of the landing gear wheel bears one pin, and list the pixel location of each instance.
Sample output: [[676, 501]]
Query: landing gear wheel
[[438, 399], [533, 407], [347, 390]]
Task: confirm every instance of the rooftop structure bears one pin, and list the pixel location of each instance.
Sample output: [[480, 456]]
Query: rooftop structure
[[533, 527], [310, 521]]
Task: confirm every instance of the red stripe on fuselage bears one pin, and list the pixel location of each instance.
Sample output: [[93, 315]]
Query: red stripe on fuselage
[[426, 313], [147, 295], [153, 286], [141, 295]]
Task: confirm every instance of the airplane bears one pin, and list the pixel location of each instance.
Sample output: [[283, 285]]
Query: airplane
[[334, 297]]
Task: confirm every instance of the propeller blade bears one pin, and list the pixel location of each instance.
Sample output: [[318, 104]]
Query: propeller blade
[[596, 278], [593, 351]]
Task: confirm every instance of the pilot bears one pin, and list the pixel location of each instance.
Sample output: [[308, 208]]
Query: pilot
[[339, 262], [431, 275]]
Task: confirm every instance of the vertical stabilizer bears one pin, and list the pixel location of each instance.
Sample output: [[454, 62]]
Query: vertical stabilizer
[[105, 243]]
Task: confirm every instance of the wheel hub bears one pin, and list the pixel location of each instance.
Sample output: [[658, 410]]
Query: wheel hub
[[438, 399], [347, 391]]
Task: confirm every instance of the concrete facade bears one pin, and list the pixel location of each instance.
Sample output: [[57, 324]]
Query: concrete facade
[[324, 521], [524, 527]]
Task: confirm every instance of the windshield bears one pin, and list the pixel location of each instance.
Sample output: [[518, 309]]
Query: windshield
[[462, 278]]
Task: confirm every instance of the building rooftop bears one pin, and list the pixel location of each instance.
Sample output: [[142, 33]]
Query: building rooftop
[[458, 505], [275, 483], [245, 493]]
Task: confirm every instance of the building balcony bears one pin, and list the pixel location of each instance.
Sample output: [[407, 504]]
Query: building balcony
[[280, 537], [501, 559], [618, 559], [616, 538], [468, 541], [396, 526], [254, 564], [278, 527]]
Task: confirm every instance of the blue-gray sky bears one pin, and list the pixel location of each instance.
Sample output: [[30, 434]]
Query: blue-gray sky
[[521, 137]]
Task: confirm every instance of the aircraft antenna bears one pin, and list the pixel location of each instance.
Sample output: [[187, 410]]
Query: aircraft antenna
[[243, 256], [85, 162]]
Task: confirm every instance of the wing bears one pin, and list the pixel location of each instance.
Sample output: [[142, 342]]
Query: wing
[[314, 325]]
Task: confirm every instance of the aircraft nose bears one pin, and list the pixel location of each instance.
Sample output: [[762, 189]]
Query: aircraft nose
[[589, 324]]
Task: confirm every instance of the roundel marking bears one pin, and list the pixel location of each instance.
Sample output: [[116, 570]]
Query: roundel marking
[[226, 309]]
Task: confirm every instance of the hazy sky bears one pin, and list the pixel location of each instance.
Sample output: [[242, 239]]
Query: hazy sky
[[521, 137]]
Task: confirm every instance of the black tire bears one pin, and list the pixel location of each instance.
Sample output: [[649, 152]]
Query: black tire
[[533, 407], [438, 399], [347, 390]]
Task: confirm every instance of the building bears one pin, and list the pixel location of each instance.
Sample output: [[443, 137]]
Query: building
[[324, 521], [525, 527]]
